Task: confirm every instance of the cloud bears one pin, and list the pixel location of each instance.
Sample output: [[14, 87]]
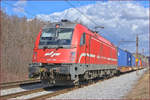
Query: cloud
[[121, 20], [19, 6]]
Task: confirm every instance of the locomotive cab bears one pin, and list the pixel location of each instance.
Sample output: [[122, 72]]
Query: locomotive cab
[[54, 53]]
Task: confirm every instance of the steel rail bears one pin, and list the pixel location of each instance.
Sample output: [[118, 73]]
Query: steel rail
[[62, 91], [13, 95], [18, 83], [57, 92], [49, 95]]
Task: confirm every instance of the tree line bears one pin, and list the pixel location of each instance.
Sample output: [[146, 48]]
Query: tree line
[[18, 35]]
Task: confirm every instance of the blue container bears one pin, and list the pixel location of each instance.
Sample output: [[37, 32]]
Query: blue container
[[124, 58], [129, 59], [133, 60]]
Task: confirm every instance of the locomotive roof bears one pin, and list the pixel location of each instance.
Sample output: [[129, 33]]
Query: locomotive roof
[[102, 38], [69, 24], [62, 24]]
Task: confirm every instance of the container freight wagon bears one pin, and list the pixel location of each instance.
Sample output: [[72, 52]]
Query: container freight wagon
[[140, 64], [124, 60], [133, 63]]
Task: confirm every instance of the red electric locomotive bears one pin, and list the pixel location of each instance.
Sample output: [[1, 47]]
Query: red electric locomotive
[[66, 53]]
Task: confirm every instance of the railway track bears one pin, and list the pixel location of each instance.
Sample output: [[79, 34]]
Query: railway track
[[13, 95], [48, 95], [51, 94], [61, 91], [18, 83], [52, 91]]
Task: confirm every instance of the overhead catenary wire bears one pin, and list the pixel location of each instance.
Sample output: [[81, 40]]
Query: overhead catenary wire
[[65, 14], [82, 13]]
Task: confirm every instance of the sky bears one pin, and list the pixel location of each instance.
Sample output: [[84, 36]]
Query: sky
[[122, 20], [31, 8]]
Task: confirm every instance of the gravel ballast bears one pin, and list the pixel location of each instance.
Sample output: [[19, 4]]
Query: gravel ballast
[[114, 88]]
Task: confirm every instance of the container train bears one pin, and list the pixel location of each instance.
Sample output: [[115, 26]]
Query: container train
[[66, 53]]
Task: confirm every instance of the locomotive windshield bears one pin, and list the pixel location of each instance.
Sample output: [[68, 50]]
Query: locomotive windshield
[[52, 37]]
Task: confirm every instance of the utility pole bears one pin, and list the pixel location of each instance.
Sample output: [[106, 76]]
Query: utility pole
[[143, 53], [143, 57], [137, 59]]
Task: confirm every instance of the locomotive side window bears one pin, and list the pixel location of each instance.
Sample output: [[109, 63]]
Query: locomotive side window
[[82, 40]]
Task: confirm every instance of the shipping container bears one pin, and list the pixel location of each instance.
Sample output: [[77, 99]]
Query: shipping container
[[129, 59], [124, 58], [133, 61], [140, 62]]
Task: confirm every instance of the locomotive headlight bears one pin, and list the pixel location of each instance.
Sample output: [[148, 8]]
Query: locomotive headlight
[[72, 56]]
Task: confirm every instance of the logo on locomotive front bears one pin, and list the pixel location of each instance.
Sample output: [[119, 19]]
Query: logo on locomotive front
[[52, 54]]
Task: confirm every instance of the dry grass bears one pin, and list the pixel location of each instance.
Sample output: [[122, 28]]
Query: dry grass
[[141, 90]]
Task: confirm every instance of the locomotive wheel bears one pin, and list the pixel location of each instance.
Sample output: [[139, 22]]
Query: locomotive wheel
[[77, 83]]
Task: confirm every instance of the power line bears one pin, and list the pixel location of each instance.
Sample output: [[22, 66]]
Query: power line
[[65, 14], [81, 13]]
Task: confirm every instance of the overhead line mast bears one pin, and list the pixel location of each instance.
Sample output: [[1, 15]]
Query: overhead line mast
[[137, 50]]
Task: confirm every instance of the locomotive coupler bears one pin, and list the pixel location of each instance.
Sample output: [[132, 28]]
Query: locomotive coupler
[[34, 70], [47, 76]]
